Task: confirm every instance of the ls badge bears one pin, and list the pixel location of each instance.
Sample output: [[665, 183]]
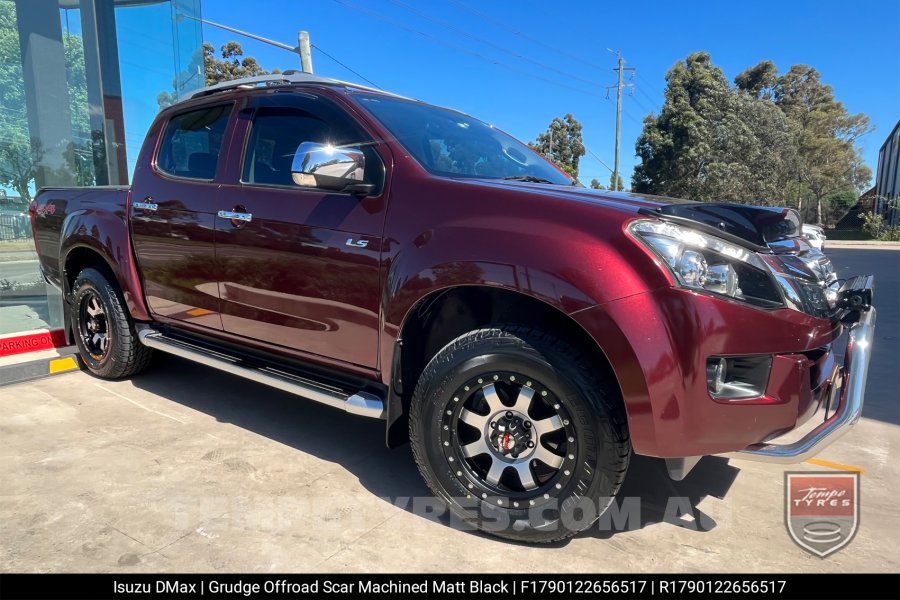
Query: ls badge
[[357, 243], [821, 510]]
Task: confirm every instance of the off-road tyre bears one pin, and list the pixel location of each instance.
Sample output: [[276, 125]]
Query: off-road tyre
[[573, 418], [103, 329]]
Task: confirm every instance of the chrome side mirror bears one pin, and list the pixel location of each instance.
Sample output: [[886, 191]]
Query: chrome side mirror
[[338, 168]]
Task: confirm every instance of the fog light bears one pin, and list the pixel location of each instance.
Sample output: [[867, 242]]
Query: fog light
[[738, 377], [716, 371]]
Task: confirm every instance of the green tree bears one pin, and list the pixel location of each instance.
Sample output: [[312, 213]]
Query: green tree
[[828, 160], [562, 143], [758, 81], [16, 156], [85, 143], [683, 150], [19, 154], [617, 184], [595, 184], [780, 140], [232, 65], [838, 203], [873, 224]]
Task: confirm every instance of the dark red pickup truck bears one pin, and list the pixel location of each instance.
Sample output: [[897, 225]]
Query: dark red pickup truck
[[410, 263]]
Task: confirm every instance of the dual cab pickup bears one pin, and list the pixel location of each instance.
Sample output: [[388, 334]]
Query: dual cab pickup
[[414, 264]]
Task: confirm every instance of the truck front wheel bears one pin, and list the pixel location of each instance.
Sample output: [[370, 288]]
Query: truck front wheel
[[518, 434], [103, 329]]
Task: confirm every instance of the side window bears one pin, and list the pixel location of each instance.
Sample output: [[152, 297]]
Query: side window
[[192, 142], [276, 133]]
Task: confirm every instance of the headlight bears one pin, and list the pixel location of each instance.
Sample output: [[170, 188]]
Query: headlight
[[705, 263]]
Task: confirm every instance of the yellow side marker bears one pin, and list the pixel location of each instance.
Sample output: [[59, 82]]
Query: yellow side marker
[[59, 365], [199, 312], [835, 465]]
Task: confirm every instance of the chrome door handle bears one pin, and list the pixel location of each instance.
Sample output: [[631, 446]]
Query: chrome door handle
[[151, 206], [235, 216]]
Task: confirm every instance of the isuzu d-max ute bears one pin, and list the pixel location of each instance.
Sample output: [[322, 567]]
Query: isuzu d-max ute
[[413, 264]]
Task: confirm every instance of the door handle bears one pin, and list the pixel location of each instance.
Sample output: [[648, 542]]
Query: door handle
[[235, 216]]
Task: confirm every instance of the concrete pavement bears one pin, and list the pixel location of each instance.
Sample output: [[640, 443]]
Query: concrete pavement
[[187, 469]]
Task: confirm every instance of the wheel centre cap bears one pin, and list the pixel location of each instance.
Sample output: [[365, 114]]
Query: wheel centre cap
[[511, 435]]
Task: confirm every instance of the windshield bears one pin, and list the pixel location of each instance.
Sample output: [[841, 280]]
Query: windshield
[[450, 143]]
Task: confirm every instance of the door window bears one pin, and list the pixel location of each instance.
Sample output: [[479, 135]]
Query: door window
[[276, 133], [192, 142]]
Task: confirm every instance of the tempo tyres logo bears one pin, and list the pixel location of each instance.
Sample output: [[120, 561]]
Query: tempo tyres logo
[[821, 510]]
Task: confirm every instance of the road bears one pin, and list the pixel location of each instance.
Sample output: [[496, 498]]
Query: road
[[883, 391], [189, 469], [23, 271]]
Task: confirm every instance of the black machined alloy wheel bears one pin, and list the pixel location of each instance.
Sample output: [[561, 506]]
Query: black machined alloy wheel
[[92, 326], [516, 432], [511, 438], [103, 329]]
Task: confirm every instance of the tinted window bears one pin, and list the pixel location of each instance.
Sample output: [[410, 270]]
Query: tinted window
[[192, 143], [451, 143], [277, 132]]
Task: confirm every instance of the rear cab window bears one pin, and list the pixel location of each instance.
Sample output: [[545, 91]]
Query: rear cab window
[[192, 143]]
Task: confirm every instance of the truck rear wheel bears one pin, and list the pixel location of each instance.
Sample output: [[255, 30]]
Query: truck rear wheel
[[517, 433], [103, 329]]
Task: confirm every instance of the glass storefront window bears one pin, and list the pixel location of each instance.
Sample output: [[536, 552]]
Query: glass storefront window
[[80, 83]]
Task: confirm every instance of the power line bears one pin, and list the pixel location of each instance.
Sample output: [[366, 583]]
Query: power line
[[647, 96], [598, 159], [522, 35], [653, 87], [538, 42], [640, 102], [436, 40], [363, 77], [486, 42]]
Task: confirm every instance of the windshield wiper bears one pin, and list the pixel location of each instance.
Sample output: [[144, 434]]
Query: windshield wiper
[[528, 178]]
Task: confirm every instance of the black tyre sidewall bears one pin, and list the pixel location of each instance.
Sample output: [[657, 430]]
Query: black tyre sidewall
[[124, 354], [597, 465]]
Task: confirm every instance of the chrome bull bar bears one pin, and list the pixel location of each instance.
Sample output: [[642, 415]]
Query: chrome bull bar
[[850, 397]]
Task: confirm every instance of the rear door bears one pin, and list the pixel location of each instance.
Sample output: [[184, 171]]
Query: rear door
[[302, 272], [173, 217]]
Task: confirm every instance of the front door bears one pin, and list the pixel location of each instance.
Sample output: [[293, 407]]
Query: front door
[[299, 266], [173, 217]]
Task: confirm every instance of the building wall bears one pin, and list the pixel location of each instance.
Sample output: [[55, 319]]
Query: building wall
[[887, 180], [79, 85]]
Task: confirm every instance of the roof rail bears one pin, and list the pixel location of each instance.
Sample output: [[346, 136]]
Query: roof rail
[[260, 80]]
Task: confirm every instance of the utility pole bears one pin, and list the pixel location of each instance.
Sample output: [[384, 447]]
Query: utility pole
[[621, 68], [302, 48], [305, 53]]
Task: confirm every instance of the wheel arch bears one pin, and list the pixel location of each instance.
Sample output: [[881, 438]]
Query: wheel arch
[[443, 315], [85, 248]]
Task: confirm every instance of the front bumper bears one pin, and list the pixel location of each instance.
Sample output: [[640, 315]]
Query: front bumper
[[845, 398], [658, 344]]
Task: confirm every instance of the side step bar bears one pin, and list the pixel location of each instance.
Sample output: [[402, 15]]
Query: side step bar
[[359, 403]]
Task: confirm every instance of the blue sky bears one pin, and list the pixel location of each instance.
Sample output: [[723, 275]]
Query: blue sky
[[518, 64]]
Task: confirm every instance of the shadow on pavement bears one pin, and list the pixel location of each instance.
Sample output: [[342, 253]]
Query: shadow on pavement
[[649, 496], [357, 444]]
